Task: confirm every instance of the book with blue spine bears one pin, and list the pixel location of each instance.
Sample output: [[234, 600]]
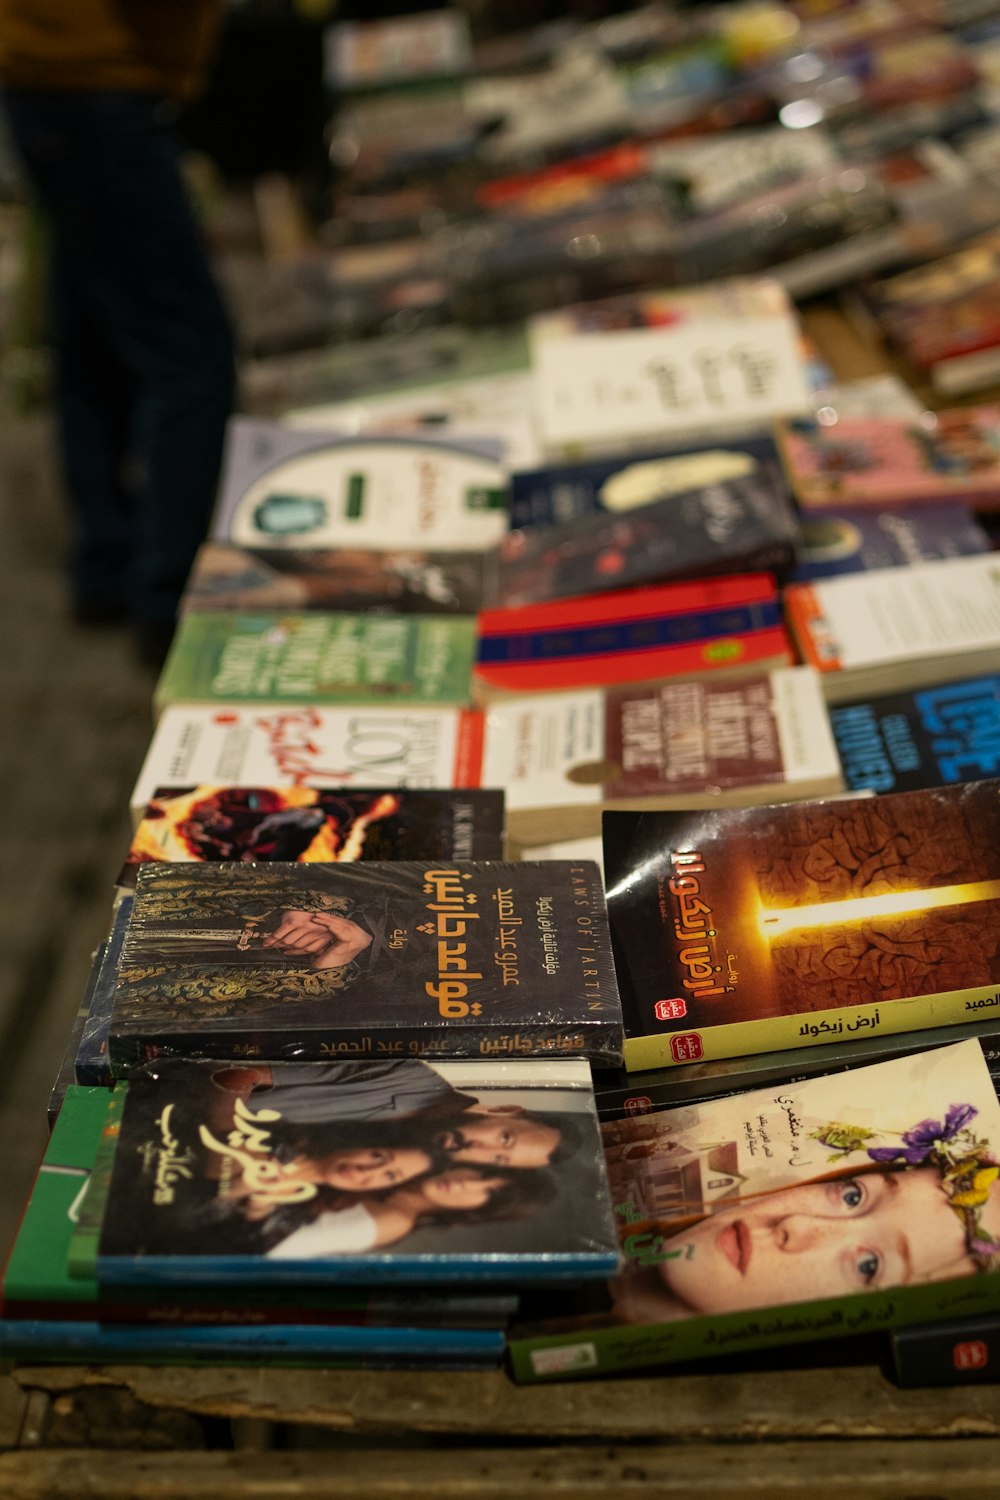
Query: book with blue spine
[[356, 1173]]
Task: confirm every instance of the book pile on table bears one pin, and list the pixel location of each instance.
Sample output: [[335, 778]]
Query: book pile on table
[[373, 1061]]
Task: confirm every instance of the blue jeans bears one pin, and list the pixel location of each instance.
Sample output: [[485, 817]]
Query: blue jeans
[[144, 351]]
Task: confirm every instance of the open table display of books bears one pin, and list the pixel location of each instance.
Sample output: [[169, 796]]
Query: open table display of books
[[380, 1066]]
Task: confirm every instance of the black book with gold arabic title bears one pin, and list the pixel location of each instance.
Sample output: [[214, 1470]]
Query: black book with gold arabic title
[[454, 959]]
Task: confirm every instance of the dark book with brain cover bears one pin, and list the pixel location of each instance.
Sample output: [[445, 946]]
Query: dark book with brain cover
[[463, 959], [740, 931]]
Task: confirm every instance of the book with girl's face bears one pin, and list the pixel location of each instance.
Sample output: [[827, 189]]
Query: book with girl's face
[[364, 1173], [839, 1204], [463, 958]]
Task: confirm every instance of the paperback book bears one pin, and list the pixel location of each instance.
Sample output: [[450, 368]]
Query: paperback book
[[558, 493], [946, 455], [738, 525], [857, 541], [319, 658], [964, 1351], [471, 959], [300, 745], [314, 825], [436, 1173], [843, 1204], [896, 629], [741, 931], [721, 627], [39, 1285], [349, 579], [564, 757], [929, 737], [636, 368], [285, 487]]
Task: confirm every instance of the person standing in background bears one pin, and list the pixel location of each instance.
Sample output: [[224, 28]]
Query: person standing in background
[[144, 378]]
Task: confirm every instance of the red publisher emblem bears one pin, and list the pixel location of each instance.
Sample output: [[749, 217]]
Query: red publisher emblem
[[971, 1355], [226, 718], [670, 1010], [686, 1047], [639, 1104]]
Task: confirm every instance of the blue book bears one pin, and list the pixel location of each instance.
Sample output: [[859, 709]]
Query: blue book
[[358, 1173], [76, 1339], [891, 537], [563, 493], [932, 737]]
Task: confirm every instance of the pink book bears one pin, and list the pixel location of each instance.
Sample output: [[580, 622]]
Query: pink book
[[952, 454]]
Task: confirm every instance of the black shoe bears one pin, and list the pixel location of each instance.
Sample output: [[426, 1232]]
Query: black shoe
[[153, 644]]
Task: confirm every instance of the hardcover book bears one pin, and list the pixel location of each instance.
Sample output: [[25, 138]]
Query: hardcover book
[[930, 737], [472, 959], [318, 658], [741, 931], [433, 1173], [350, 579], [314, 825], [305, 745], [714, 628], [840, 1205], [845, 541], [563, 757], [638, 367], [946, 455], [284, 487], [899, 628], [740, 525], [556, 494]]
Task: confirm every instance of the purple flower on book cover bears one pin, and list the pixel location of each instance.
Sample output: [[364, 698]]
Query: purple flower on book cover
[[927, 1137]]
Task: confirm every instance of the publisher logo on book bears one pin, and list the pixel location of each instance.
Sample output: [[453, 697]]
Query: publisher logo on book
[[686, 1047], [670, 1010], [970, 1355]]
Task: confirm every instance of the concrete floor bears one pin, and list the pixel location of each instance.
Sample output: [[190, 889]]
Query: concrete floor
[[75, 719]]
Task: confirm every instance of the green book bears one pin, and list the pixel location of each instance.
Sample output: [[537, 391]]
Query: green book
[[38, 1270], [321, 658], [81, 1255]]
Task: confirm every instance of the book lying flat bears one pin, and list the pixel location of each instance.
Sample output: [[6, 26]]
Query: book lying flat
[[318, 657], [741, 931], [283, 487], [369, 581], [358, 1173], [946, 455], [839, 1205], [309, 745], [721, 627], [564, 757], [467, 959], [932, 736], [314, 825], [899, 628]]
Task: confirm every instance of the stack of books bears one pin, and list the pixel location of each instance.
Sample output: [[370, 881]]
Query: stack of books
[[563, 914]]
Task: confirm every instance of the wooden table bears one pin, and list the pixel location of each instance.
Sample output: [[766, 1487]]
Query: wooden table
[[842, 1433]]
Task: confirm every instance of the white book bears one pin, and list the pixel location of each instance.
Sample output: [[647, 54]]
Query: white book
[[289, 745], [892, 629], [661, 363], [563, 758]]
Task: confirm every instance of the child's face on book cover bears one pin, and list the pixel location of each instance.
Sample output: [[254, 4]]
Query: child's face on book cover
[[820, 1239], [370, 1171]]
